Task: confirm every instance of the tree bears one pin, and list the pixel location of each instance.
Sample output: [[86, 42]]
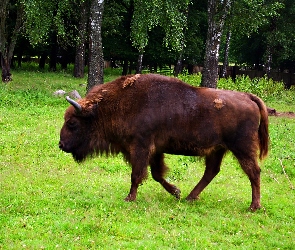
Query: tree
[[96, 62], [168, 14], [11, 23], [238, 24], [144, 19], [116, 32], [59, 21], [156, 53], [194, 36], [226, 53], [217, 12], [279, 35], [81, 40], [246, 33], [52, 24]]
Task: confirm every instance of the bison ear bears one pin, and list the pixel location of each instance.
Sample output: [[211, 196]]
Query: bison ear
[[76, 105]]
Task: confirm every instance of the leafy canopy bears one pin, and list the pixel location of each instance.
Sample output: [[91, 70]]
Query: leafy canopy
[[169, 14], [44, 16]]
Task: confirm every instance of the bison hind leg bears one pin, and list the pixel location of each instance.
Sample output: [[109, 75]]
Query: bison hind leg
[[158, 170], [251, 168]]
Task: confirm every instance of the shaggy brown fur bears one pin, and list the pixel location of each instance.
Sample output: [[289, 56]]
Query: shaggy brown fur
[[130, 80], [145, 116]]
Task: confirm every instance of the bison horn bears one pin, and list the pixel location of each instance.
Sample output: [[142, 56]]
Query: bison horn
[[76, 105]]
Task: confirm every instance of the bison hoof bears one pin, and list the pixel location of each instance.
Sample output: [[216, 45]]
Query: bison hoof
[[176, 193], [130, 198], [254, 207], [189, 198]]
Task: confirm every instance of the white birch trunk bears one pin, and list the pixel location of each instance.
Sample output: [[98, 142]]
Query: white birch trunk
[[215, 28], [139, 63], [96, 62], [226, 53]]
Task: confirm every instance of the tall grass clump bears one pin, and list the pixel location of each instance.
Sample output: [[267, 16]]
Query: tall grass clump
[[267, 89], [194, 80]]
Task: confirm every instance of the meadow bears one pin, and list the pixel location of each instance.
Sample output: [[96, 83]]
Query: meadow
[[47, 201]]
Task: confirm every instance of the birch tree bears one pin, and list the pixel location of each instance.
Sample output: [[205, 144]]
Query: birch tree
[[263, 13], [169, 14], [96, 62], [217, 12]]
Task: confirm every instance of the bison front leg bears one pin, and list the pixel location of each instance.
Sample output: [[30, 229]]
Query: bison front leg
[[139, 163], [213, 162], [137, 177], [158, 169]]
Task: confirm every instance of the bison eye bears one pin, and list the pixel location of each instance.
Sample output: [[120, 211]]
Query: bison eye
[[72, 124]]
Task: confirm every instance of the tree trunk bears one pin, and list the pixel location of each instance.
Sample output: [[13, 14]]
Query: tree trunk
[[53, 51], [79, 61], [216, 21], [226, 52], [139, 63], [131, 67], [190, 68], [178, 66], [268, 60], [125, 67], [96, 62], [19, 59], [64, 59], [155, 67], [42, 60], [271, 40], [210, 71], [5, 65], [7, 48], [80, 48]]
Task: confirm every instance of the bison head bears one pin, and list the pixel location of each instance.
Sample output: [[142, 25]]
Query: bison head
[[75, 135]]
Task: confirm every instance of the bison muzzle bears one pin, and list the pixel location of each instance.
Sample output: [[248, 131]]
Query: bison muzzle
[[145, 116]]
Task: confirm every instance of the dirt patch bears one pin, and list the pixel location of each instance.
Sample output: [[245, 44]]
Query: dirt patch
[[286, 114], [273, 112]]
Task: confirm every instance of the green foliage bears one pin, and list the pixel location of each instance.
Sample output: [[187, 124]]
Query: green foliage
[[196, 32], [260, 11], [43, 17], [269, 30], [170, 15], [194, 80], [281, 36], [267, 89], [116, 23], [50, 202]]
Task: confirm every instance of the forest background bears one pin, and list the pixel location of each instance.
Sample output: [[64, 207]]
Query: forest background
[[135, 34]]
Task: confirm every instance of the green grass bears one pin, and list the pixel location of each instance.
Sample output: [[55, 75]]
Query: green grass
[[47, 201]]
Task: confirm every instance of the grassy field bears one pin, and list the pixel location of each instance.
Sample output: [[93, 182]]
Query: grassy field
[[47, 201]]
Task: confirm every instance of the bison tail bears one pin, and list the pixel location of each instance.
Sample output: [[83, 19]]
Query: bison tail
[[263, 127]]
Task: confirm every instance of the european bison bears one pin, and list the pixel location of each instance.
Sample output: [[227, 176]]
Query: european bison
[[145, 116]]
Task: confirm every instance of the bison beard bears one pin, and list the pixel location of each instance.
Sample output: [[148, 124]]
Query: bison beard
[[146, 116]]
